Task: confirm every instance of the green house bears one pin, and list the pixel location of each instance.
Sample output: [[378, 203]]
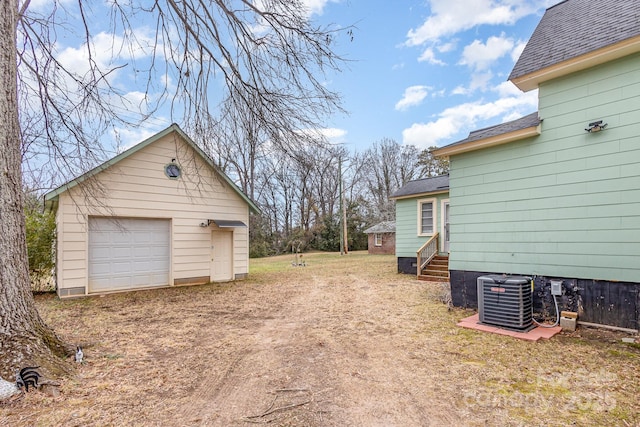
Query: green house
[[556, 194], [422, 225]]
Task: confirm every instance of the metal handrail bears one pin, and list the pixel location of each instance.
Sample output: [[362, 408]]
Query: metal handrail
[[427, 251]]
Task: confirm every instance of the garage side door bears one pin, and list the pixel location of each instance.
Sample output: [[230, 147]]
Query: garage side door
[[128, 253], [221, 256]]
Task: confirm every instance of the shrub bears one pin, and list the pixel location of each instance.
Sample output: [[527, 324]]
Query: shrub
[[41, 232]]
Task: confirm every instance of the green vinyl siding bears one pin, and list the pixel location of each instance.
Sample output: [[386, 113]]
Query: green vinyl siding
[[408, 240], [565, 203]]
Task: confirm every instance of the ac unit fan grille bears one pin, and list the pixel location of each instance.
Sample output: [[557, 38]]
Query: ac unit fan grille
[[505, 301]]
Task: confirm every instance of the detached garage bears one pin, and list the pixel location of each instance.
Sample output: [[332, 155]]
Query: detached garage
[[159, 214]]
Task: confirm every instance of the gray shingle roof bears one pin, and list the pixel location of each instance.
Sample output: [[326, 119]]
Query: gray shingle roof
[[576, 27], [527, 121], [424, 185], [383, 227]]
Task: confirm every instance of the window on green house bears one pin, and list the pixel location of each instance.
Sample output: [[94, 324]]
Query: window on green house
[[426, 217]]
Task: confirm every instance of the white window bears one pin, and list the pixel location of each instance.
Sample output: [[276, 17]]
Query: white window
[[426, 217], [377, 237]]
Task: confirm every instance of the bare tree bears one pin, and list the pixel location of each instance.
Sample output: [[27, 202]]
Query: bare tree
[[430, 165], [266, 55], [390, 166], [23, 334], [325, 180], [316, 174], [239, 144]]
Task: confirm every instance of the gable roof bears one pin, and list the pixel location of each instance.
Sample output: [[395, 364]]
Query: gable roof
[[383, 227], [436, 184], [523, 127], [577, 34], [52, 196]]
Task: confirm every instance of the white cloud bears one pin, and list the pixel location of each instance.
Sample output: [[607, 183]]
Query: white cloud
[[127, 137], [429, 56], [310, 7], [108, 51], [107, 54], [316, 6], [333, 134], [449, 17], [447, 47], [459, 90], [42, 5], [136, 107], [517, 50], [481, 56], [424, 135], [479, 81], [506, 89], [452, 121], [413, 96], [102, 50]]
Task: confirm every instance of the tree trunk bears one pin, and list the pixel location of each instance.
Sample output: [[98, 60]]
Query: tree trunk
[[24, 338]]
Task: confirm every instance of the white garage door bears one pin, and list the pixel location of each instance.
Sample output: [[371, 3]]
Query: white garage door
[[128, 253]]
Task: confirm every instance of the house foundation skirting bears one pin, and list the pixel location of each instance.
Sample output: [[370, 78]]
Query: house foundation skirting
[[72, 292], [596, 301], [407, 265], [201, 280]]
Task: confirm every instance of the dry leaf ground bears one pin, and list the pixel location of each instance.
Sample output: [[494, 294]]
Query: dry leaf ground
[[344, 341]]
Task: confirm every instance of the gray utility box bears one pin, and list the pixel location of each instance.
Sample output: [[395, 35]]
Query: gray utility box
[[505, 301]]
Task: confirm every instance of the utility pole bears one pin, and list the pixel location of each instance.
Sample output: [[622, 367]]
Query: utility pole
[[344, 238], [341, 205], [345, 228]]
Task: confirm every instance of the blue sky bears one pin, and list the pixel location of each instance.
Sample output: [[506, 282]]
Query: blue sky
[[422, 72], [428, 72]]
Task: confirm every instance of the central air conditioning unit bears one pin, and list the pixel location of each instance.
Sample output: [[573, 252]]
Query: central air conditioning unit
[[505, 301]]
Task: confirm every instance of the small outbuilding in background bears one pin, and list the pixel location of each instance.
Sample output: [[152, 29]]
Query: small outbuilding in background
[[382, 238]]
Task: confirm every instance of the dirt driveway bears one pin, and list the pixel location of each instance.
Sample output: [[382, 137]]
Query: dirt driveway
[[340, 342]]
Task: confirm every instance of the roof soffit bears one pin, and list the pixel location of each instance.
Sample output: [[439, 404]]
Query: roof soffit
[[419, 195], [488, 142]]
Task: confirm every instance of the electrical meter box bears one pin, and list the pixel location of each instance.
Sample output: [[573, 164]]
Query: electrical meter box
[[556, 287]]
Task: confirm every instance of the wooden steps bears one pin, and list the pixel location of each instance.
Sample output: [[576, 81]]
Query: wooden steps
[[437, 270]]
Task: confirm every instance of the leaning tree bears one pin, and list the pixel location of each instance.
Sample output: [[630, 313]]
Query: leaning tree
[[262, 58]]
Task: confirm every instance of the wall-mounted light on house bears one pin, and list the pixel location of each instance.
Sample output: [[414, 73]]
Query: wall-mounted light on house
[[204, 224], [596, 126]]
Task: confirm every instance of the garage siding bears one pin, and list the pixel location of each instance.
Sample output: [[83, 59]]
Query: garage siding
[[136, 187]]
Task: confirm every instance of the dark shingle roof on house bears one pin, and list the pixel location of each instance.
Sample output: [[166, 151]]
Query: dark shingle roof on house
[[422, 186], [576, 27], [527, 121], [383, 227]]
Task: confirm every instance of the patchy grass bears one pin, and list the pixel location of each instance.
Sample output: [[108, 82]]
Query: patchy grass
[[342, 341]]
